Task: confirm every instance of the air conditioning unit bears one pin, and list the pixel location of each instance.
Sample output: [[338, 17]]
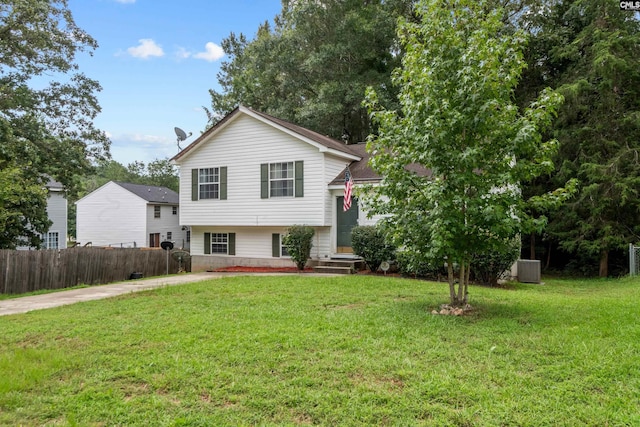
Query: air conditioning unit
[[529, 270]]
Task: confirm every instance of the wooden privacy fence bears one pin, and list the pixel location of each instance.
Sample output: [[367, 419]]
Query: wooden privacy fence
[[28, 271]]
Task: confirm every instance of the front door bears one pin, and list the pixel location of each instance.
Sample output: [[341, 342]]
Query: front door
[[345, 222]]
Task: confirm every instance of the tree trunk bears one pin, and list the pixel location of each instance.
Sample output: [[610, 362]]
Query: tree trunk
[[604, 263], [532, 246], [452, 283], [466, 285], [461, 276]]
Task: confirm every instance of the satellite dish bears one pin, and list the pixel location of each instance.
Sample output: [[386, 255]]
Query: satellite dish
[[182, 135]]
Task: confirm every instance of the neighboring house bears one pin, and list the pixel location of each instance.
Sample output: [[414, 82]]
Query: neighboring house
[[56, 237], [130, 215], [251, 176]]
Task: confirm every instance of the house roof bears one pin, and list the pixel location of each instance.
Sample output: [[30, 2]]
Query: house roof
[[360, 169], [361, 172], [328, 143], [54, 185], [151, 193]]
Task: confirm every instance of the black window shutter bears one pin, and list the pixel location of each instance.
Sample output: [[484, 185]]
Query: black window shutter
[[264, 181], [223, 183], [207, 243], [194, 184], [232, 243], [299, 171], [275, 245]]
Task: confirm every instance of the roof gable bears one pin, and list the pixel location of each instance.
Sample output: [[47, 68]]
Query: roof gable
[[322, 142]]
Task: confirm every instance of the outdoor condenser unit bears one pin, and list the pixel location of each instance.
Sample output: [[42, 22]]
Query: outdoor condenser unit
[[529, 270]]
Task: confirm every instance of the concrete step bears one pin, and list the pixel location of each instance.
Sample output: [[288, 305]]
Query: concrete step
[[330, 269], [356, 264]]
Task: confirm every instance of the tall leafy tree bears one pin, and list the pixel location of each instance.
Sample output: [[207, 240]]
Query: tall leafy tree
[[589, 50], [458, 121], [313, 65], [46, 113]]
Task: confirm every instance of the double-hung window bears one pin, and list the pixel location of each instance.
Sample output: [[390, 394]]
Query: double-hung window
[[209, 183], [282, 179], [220, 243], [156, 211], [278, 249]]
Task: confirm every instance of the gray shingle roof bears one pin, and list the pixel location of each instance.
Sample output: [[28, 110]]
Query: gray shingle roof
[[54, 185], [361, 172], [150, 193]]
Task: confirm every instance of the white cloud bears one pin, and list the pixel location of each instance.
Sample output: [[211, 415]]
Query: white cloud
[[146, 49], [212, 52], [182, 53]]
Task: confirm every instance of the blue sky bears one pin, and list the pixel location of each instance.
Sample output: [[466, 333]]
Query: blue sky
[[156, 61]]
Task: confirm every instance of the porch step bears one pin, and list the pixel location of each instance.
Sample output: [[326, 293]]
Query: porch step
[[339, 266], [328, 269]]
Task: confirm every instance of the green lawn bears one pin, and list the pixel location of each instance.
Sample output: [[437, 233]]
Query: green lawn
[[358, 350]]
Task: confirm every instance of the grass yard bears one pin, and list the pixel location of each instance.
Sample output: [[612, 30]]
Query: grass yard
[[359, 350]]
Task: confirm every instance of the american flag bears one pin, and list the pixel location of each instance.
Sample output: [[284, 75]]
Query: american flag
[[348, 189]]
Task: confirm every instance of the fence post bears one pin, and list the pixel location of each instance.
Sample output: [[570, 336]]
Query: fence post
[[632, 260], [6, 274]]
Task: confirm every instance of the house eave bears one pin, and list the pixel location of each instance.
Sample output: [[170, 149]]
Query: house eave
[[231, 117]]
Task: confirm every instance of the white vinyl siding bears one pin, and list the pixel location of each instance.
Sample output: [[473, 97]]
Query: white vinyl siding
[[256, 242], [167, 223], [244, 145], [113, 216], [333, 167], [57, 213]]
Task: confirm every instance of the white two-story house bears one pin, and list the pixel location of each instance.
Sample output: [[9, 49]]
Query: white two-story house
[[121, 214], [251, 176], [56, 236]]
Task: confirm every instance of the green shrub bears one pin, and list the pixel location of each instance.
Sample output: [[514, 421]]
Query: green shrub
[[298, 241], [490, 266], [370, 243], [411, 264]]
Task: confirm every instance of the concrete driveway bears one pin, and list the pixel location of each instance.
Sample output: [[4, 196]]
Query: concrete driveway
[[56, 299]]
